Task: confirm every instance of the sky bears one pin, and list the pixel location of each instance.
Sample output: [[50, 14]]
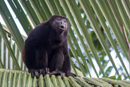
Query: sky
[[15, 19]]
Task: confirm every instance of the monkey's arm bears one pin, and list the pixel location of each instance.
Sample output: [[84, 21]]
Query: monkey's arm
[[28, 56], [31, 59], [67, 64], [56, 63]]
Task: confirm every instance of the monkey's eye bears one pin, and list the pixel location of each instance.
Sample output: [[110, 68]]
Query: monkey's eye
[[58, 19], [64, 20]]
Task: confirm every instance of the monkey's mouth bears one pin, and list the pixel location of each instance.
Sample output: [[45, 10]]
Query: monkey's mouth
[[61, 27]]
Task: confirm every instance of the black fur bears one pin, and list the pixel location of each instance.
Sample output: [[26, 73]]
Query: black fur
[[46, 48]]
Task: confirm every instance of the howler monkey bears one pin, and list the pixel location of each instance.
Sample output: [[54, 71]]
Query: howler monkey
[[46, 48]]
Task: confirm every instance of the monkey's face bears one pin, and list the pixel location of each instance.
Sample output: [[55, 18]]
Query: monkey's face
[[60, 25]]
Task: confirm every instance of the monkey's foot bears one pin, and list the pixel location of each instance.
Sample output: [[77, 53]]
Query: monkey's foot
[[37, 72], [58, 73], [72, 74], [44, 71], [34, 72]]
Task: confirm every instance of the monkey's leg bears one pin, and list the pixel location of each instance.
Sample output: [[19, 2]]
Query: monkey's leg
[[42, 61], [56, 63], [37, 62], [67, 67], [29, 53]]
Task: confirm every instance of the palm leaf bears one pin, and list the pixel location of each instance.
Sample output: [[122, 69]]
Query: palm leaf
[[17, 78], [90, 21]]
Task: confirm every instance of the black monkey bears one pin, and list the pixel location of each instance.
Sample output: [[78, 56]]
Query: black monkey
[[46, 48]]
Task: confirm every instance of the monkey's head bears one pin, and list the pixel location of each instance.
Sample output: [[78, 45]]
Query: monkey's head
[[59, 23]]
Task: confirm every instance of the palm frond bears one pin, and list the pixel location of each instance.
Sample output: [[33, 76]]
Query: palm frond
[[23, 79], [96, 27]]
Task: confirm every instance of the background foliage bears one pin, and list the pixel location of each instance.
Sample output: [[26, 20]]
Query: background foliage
[[99, 29]]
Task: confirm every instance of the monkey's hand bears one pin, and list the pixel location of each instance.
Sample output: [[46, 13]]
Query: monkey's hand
[[71, 74], [58, 73], [37, 73]]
